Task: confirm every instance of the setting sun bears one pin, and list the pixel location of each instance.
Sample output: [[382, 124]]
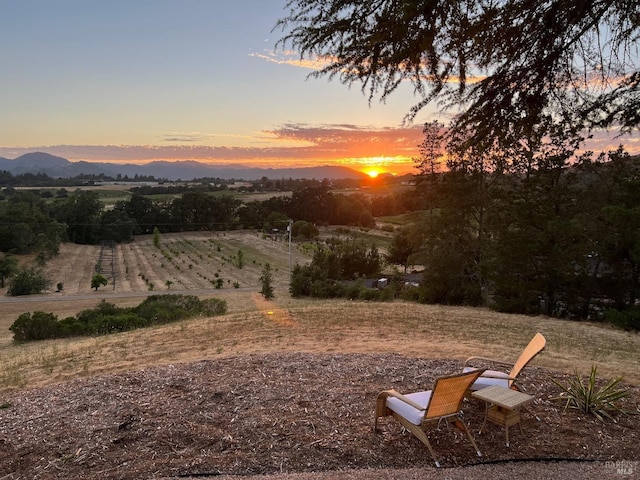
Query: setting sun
[[372, 173]]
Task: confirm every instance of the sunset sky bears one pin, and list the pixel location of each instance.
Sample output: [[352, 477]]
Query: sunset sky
[[139, 80]]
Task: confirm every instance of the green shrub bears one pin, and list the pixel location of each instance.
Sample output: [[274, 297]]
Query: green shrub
[[28, 281], [266, 280], [585, 398], [387, 295], [376, 295], [98, 281], [369, 294], [166, 308], [411, 294], [39, 326], [160, 313], [86, 317], [104, 324], [352, 291], [72, 327], [108, 318], [325, 288]]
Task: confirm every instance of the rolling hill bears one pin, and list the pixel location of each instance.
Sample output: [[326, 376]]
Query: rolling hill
[[58, 167]]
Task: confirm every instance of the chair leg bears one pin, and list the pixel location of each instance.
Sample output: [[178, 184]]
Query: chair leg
[[420, 435], [486, 414], [460, 424], [433, 454], [381, 408]]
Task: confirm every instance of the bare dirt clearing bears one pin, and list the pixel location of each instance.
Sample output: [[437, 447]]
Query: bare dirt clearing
[[288, 386], [278, 413]]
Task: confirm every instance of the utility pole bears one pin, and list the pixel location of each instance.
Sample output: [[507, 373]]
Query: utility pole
[[289, 228]]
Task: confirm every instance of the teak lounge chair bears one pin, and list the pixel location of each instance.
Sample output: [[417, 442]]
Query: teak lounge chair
[[417, 411], [495, 377]]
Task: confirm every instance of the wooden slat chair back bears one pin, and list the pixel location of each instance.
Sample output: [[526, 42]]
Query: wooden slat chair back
[[495, 377], [447, 396], [419, 410], [536, 345]]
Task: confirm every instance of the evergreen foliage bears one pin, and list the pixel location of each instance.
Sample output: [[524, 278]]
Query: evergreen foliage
[[266, 280], [39, 326], [98, 280], [8, 266], [27, 281], [334, 265], [504, 65], [108, 318], [587, 398], [156, 237]]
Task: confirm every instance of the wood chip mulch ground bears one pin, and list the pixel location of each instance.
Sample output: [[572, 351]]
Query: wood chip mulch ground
[[288, 413]]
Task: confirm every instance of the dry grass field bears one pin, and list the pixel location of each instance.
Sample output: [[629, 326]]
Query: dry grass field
[[343, 345], [189, 261], [254, 325]]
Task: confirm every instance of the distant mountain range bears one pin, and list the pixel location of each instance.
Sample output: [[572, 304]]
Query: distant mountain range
[[58, 167]]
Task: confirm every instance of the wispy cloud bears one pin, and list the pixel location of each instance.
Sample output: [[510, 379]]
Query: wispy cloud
[[175, 137], [293, 58], [290, 57], [203, 138]]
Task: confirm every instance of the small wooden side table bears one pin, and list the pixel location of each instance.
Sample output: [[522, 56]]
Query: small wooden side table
[[502, 406]]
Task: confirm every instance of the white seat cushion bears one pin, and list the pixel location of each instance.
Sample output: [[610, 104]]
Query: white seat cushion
[[485, 381], [407, 411]]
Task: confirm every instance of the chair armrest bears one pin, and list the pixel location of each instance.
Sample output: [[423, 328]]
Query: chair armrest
[[501, 377], [484, 359], [408, 401]]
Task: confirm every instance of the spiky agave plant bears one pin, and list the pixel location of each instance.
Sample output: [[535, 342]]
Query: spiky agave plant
[[585, 398]]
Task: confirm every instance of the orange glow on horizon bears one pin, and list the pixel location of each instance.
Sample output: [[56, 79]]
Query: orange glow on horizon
[[382, 165]]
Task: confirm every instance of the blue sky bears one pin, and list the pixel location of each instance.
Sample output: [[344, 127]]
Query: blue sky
[[139, 80]]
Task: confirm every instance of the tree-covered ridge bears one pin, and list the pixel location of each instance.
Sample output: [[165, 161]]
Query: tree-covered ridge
[[555, 238], [31, 221]]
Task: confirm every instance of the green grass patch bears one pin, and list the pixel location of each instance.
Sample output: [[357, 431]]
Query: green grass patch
[[409, 218]]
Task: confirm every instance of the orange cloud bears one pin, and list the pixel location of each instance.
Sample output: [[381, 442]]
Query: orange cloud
[[288, 145]]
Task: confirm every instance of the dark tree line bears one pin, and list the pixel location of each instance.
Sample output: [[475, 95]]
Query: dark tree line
[[333, 263], [315, 202], [7, 179], [543, 232], [31, 223]]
